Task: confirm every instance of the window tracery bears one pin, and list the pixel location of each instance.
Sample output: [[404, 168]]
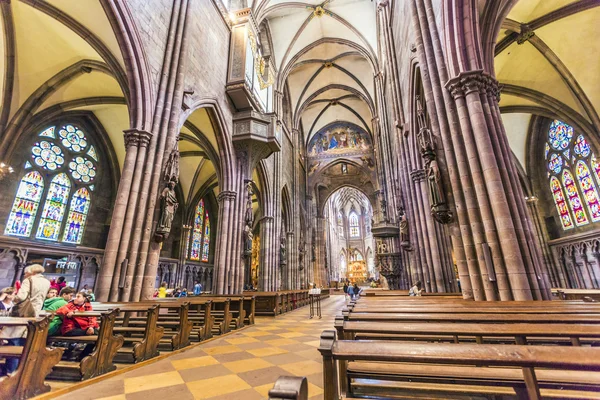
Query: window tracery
[[353, 222], [200, 238], [60, 158], [566, 151]]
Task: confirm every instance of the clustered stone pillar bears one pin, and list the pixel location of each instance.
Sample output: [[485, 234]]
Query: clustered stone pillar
[[130, 244]]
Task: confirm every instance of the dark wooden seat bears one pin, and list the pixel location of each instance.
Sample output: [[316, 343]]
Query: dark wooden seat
[[368, 368], [36, 360], [140, 343], [100, 361]]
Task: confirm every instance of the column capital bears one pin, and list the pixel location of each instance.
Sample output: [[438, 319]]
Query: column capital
[[465, 83], [226, 195], [136, 137]]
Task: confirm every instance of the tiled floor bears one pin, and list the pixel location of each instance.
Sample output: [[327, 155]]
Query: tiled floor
[[241, 366]]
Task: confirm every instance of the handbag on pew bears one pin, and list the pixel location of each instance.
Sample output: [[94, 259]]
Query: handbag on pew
[[24, 308]]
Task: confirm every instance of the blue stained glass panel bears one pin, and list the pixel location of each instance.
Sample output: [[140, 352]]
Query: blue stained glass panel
[[560, 135], [195, 253], [24, 209], [54, 208], [582, 147], [80, 205], [206, 242], [555, 163]]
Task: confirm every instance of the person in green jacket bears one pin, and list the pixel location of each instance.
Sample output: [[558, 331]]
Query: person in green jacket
[[53, 304]]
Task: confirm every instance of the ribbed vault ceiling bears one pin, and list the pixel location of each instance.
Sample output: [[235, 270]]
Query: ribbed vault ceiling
[[325, 52], [556, 69]]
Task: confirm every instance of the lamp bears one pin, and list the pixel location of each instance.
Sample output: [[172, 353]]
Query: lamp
[[5, 170]]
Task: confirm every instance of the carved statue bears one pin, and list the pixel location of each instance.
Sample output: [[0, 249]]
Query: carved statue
[[168, 206], [424, 136], [436, 195], [249, 218], [172, 167], [404, 237], [282, 250], [248, 237]]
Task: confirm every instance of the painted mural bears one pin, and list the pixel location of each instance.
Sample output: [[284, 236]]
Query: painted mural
[[339, 138]]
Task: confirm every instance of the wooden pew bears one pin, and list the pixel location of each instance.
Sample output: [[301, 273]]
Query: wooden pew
[[267, 303], [100, 361], [404, 293], [577, 294], [246, 302], [385, 368], [36, 360], [140, 342], [199, 314], [574, 309], [472, 317], [173, 317], [458, 333]]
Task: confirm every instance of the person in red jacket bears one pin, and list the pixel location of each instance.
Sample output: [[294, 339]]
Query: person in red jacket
[[77, 325]]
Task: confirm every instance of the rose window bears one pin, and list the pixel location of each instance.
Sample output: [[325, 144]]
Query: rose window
[[82, 169], [47, 155], [72, 138]]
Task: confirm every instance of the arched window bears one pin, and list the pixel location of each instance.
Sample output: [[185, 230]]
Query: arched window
[[566, 151], [206, 241], [68, 161], [200, 239], [353, 221]]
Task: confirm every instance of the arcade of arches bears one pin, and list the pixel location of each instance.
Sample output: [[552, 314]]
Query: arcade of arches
[[275, 144]]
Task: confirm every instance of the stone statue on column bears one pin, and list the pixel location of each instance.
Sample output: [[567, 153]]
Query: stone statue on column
[[404, 231], [282, 250], [436, 196], [249, 219], [172, 167], [168, 206], [424, 136]]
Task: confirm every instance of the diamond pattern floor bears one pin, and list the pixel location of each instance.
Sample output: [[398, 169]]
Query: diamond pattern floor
[[242, 365]]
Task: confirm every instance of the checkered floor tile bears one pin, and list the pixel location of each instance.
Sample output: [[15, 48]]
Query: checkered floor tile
[[241, 365]]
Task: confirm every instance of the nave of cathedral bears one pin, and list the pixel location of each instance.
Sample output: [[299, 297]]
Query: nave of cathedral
[[175, 171]]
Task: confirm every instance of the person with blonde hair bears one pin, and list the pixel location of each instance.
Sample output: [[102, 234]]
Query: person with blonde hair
[[7, 295], [34, 287]]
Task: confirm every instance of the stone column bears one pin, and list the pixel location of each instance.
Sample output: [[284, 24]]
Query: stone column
[[542, 237], [104, 288]]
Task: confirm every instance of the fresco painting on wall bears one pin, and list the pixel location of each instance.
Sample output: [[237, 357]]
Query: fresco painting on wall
[[339, 138]]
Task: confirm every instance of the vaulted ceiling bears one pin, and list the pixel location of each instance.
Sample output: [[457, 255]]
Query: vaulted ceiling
[[548, 60], [63, 55], [326, 53], [347, 198]]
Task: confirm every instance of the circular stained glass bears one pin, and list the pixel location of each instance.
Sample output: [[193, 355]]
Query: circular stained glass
[[47, 155], [72, 138], [555, 164], [560, 135], [82, 169]]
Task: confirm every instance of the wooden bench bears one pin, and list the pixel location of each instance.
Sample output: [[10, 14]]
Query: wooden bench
[[577, 294], [242, 308], [140, 342], [100, 361], [172, 317], [404, 293], [472, 317], [35, 359], [385, 369], [469, 332], [199, 314], [267, 303]]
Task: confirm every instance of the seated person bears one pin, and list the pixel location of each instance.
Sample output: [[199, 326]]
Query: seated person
[[7, 295], [53, 304], [183, 293], [77, 325], [74, 325], [52, 293]]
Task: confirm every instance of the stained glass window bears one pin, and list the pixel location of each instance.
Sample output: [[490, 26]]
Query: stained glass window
[[560, 135], [54, 208], [197, 232], [567, 149], [574, 200], [58, 154], [206, 241], [590, 194], [80, 205], [555, 163], [581, 148], [24, 209], [353, 221]]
